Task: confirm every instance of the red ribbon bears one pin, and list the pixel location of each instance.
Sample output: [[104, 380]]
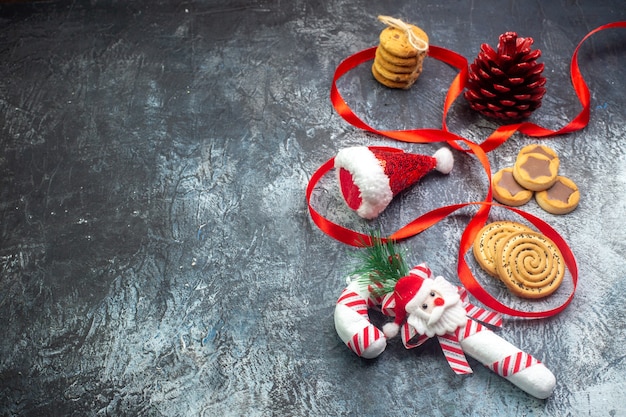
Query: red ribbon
[[497, 138]]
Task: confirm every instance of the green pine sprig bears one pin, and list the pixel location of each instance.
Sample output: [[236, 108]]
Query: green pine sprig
[[381, 264]]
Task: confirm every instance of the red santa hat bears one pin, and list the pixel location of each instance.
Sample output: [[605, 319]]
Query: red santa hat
[[370, 177], [414, 287]]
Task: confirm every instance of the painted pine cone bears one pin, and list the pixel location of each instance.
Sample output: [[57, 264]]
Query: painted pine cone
[[506, 84]]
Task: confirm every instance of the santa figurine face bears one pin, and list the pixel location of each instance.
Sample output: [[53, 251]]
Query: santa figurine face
[[434, 299], [436, 309]]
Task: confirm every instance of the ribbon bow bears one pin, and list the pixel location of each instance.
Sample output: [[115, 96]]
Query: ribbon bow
[[417, 43], [450, 342]]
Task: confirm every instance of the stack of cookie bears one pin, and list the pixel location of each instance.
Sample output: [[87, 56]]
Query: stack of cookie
[[400, 53], [536, 171]]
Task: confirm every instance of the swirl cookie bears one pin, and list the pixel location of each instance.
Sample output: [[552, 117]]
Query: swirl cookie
[[561, 198], [485, 246], [530, 265], [535, 171], [507, 191]]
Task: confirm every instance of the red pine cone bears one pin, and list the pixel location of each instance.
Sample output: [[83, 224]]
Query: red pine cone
[[506, 84]]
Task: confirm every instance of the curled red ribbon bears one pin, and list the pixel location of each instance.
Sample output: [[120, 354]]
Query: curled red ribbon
[[497, 138]]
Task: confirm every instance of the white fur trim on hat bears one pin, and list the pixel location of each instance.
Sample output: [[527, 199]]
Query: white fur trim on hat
[[415, 303], [445, 160], [369, 176]]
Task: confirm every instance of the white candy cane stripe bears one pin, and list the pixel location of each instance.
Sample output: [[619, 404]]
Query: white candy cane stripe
[[513, 364], [504, 358], [353, 325], [354, 301], [486, 316], [373, 301], [454, 354], [478, 313], [388, 305], [471, 327], [407, 333], [363, 339], [422, 270]]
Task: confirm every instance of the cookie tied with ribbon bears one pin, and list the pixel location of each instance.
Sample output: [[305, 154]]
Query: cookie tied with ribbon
[[400, 53], [369, 177]]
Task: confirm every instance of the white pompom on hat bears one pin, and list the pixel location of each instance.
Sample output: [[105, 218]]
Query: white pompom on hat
[[370, 177]]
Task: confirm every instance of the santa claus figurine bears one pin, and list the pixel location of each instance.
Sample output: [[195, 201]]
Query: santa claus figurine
[[424, 307], [431, 306]]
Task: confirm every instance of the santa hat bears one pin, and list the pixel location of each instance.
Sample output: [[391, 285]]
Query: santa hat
[[414, 287], [370, 177]]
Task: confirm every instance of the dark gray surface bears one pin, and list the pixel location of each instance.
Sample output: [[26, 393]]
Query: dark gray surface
[[156, 253]]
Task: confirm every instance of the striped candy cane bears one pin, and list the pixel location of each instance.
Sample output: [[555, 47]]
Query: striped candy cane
[[453, 353], [422, 270], [353, 325], [479, 313], [513, 364], [352, 321], [476, 340]]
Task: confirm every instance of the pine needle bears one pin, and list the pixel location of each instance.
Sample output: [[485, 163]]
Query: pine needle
[[382, 265]]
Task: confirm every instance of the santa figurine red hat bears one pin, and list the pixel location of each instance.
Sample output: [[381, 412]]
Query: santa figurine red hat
[[370, 177], [431, 306]]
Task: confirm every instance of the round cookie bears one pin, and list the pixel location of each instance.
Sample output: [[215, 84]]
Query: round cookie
[[540, 149], [485, 246], [535, 171], [561, 198], [507, 191], [396, 60], [397, 77], [391, 67], [397, 42], [530, 265], [389, 83]]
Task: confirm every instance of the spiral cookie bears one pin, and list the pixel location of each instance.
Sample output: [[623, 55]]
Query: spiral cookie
[[486, 244], [530, 265], [507, 191], [561, 198], [536, 170]]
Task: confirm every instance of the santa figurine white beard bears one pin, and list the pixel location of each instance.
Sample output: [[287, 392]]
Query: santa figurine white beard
[[440, 313], [431, 306]]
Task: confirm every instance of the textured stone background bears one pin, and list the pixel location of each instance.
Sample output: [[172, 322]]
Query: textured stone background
[[156, 253]]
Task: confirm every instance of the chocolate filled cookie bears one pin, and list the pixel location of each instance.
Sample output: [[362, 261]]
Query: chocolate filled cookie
[[561, 198], [507, 191]]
